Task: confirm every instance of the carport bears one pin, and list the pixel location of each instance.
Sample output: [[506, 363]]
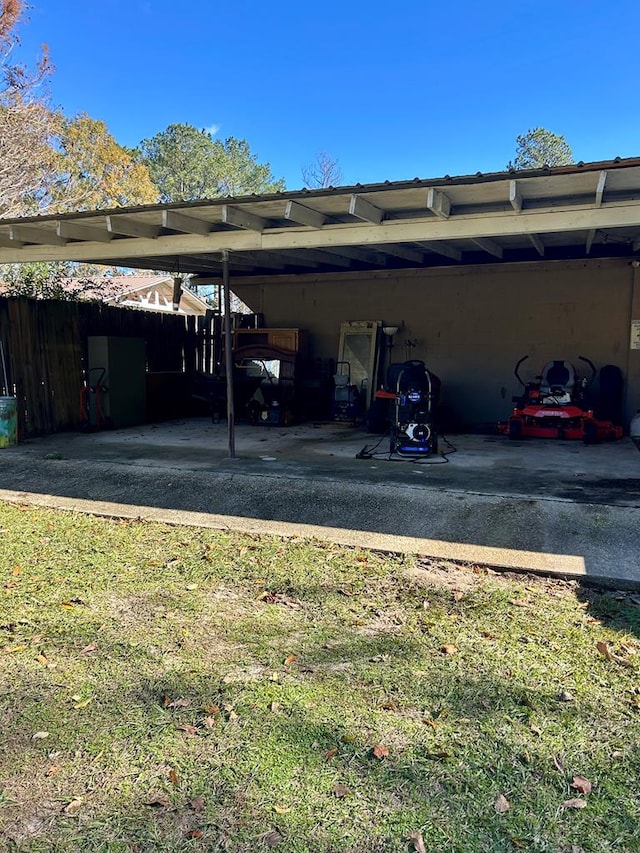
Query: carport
[[475, 270]]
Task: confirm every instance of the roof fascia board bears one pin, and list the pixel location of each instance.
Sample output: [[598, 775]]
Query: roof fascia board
[[470, 227]]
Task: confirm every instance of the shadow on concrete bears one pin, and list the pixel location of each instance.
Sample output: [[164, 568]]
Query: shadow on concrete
[[545, 505]]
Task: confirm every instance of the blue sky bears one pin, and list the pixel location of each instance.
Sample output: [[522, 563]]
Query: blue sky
[[392, 90]]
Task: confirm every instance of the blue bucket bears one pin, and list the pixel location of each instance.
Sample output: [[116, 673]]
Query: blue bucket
[[8, 421]]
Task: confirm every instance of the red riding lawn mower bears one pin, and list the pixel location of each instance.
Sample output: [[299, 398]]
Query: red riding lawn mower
[[556, 404]]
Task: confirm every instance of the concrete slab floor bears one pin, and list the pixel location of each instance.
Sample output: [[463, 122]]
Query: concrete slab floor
[[534, 504]]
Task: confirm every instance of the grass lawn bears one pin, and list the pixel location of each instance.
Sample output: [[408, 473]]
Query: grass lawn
[[177, 689]]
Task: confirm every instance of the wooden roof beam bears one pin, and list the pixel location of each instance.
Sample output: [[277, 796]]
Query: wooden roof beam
[[74, 231], [404, 253], [363, 209], [7, 243], [515, 198], [602, 180], [438, 203], [304, 215], [318, 256], [537, 244], [128, 227], [378, 259], [494, 225], [441, 248], [273, 260], [186, 224], [32, 234], [240, 218], [489, 246]]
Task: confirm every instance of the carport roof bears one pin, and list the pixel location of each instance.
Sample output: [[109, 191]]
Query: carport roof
[[581, 211]]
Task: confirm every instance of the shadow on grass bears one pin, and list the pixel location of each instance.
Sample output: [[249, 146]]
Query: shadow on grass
[[618, 609], [264, 763]]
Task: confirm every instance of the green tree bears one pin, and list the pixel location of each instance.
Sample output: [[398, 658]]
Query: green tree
[[186, 164], [94, 171], [540, 147]]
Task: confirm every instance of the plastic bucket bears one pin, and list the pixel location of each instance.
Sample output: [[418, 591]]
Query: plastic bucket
[[8, 421]]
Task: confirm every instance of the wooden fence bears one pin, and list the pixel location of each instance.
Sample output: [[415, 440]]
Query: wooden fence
[[45, 346]]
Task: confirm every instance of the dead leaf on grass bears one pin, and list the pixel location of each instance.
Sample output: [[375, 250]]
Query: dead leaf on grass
[[340, 791], [74, 806], [565, 696], [519, 602], [197, 804], [501, 804], [51, 771], [39, 735], [173, 776], [604, 650], [177, 703], [194, 833], [209, 722], [88, 649], [379, 751], [43, 659], [83, 703], [582, 785], [449, 649], [282, 809], [188, 728], [535, 729], [389, 705], [279, 598], [417, 841], [289, 660], [575, 803], [275, 707], [331, 753], [558, 763]]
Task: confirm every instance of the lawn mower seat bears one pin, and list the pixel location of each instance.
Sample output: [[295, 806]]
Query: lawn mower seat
[[558, 377]]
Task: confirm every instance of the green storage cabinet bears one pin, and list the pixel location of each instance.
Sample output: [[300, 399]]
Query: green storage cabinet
[[124, 363]]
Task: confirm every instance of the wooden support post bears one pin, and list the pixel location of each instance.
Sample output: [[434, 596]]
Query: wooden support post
[[228, 355]]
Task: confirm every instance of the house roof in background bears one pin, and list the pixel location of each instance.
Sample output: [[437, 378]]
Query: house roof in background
[[580, 211]]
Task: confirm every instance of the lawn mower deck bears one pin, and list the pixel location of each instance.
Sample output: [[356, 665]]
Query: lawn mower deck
[[555, 406]]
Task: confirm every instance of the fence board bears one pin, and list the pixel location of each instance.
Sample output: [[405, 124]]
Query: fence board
[[45, 344]]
